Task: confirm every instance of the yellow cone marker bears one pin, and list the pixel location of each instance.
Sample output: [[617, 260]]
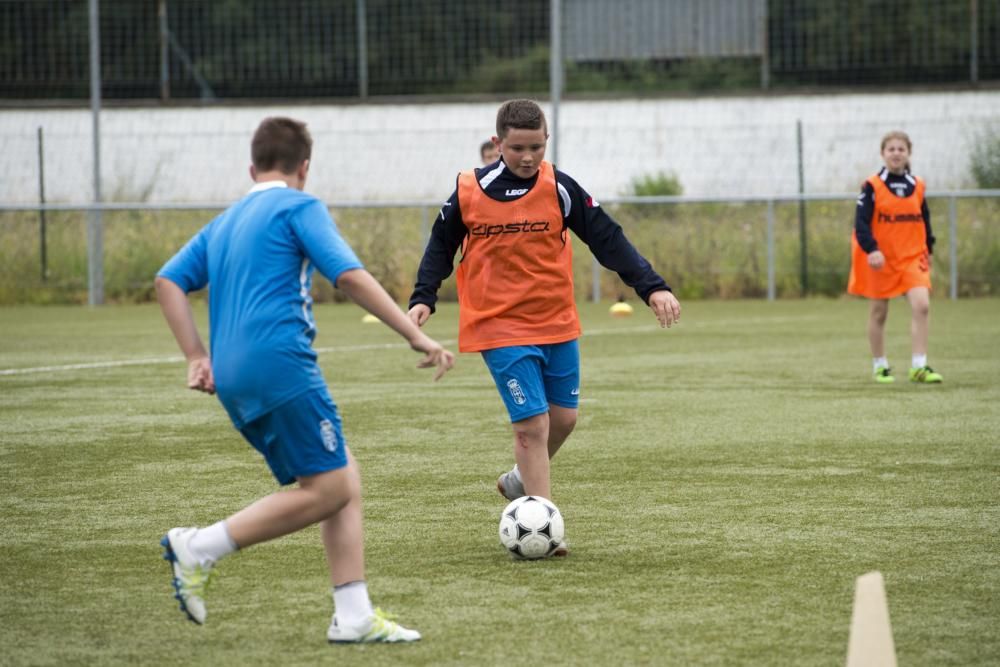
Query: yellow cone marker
[[621, 309], [369, 319]]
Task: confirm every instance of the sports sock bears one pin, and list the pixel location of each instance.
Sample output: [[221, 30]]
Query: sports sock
[[919, 361], [516, 474], [351, 603], [210, 544], [879, 362]]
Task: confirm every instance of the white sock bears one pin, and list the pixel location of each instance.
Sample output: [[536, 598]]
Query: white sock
[[919, 361], [879, 362], [210, 544], [351, 604]]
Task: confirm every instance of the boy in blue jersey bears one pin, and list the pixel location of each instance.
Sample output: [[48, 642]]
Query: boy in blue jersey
[[258, 257]]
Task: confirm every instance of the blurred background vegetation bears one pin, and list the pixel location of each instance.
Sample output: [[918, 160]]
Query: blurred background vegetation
[[705, 250]]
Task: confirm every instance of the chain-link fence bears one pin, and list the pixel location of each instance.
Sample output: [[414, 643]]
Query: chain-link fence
[[253, 49], [741, 248]]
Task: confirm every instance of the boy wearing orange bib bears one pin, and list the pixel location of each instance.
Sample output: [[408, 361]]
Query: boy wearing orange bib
[[512, 220], [891, 256]]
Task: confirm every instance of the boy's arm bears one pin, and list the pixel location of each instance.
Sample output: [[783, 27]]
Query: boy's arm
[[614, 251], [438, 261], [365, 291], [606, 240], [177, 311]]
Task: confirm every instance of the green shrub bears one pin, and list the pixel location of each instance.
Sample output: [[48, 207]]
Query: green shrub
[[659, 184], [985, 160]]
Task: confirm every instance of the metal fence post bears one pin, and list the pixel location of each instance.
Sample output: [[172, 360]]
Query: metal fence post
[[765, 46], [770, 250], [803, 242], [974, 41], [95, 223], [362, 50], [161, 14], [953, 247], [42, 250], [555, 77]]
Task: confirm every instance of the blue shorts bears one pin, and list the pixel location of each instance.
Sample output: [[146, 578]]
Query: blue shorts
[[529, 377], [300, 438]]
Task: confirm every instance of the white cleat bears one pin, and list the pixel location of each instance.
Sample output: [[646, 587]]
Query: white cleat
[[190, 577], [378, 628]]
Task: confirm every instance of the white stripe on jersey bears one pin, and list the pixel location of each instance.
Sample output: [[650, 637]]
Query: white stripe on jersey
[[491, 176], [565, 197], [304, 293]]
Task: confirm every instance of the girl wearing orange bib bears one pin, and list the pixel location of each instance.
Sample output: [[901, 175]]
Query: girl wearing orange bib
[[891, 255]]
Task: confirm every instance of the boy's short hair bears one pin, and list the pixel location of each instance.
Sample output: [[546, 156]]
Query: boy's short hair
[[520, 115], [485, 146], [280, 143]]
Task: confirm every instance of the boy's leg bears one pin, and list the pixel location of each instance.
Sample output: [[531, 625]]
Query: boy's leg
[[531, 453], [343, 534], [317, 497], [354, 620], [561, 374], [300, 440], [562, 421]]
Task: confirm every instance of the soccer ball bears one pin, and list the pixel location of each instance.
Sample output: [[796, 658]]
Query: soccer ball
[[531, 527]]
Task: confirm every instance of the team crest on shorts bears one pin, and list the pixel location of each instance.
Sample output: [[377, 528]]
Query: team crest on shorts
[[515, 391], [329, 435]]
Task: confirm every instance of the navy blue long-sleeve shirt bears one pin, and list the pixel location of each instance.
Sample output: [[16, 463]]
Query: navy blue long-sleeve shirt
[[901, 185], [581, 214]]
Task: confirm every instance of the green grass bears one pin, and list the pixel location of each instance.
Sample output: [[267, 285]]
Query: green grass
[[728, 481]]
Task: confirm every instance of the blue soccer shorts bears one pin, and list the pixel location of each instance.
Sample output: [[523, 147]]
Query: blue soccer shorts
[[300, 438], [529, 377]]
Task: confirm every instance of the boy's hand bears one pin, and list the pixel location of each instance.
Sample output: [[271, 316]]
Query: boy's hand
[[665, 306], [200, 376], [435, 355], [419, 314], [876, 259]]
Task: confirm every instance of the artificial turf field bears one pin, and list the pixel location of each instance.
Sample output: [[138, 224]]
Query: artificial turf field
[[727, 482]]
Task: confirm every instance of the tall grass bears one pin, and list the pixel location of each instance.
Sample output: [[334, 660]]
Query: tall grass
[[703, 250]]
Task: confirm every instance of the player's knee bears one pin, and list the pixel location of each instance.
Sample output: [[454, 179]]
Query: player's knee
[[335, 489], [564, 421], [532, 431]]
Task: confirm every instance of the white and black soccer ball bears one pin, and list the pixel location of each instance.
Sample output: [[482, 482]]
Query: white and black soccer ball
[[531, 527]]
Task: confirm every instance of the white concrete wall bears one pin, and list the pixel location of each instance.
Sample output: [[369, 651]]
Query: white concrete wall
[[407, 152]]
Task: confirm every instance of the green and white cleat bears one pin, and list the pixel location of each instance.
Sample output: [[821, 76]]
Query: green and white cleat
[[926, 375], [378, 628], [883, 375], [190, 577]]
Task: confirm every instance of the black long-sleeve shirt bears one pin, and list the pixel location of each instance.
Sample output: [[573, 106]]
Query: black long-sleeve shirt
[[901, 185], [582, 214]]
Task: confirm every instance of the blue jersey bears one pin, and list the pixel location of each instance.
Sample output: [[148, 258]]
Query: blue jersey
[[257, 259]]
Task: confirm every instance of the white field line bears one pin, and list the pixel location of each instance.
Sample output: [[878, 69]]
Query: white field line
[[153, 361]]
